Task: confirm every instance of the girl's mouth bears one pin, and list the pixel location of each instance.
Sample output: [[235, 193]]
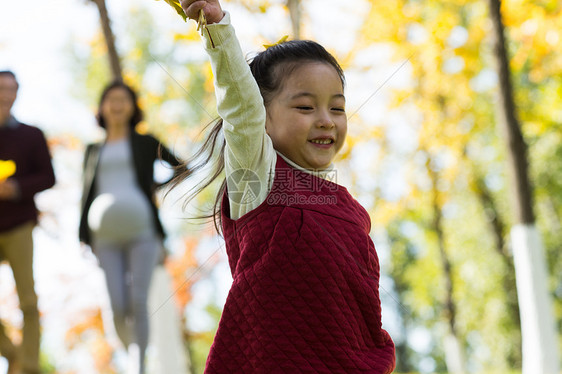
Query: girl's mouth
[[322, 141]]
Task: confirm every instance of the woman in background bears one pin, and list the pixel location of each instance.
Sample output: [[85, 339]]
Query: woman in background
[[119, 218]]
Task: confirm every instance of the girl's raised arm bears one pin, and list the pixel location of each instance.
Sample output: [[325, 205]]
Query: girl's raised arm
[[240, 105]]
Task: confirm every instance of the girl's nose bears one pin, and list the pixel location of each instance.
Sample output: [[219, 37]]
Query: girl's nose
[[325, 121]]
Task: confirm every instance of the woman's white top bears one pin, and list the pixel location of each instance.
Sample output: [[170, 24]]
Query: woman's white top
[[120, 210]]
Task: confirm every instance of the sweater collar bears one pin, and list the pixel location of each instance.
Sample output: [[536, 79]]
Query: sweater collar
[[329, 173], [11, 123]]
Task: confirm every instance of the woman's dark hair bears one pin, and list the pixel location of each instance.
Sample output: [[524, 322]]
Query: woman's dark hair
[[137, 112], [270, 69]]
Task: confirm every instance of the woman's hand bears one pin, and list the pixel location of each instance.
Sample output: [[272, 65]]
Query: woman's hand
[[211, 8]]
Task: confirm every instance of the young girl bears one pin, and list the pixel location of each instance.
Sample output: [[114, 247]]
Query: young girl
[[304, 297]]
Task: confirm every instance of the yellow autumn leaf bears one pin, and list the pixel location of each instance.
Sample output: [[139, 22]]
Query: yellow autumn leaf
[[177, 7], [7, 169]]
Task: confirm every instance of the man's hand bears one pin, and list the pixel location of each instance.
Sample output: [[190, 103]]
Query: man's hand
[[9, 190], [211, 8]]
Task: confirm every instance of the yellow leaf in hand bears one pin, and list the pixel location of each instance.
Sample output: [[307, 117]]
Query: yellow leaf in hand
[[177, 7], [7, 169]]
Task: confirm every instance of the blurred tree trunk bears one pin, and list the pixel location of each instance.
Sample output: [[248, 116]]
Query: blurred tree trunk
[[296, 15], [540, 345], [166, 324], [403, 256], [498, 228], [114, 61], [403, 350], [165, 335], [452, 346]]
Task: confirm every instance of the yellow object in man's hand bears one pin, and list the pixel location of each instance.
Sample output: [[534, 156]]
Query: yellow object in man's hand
[[7, 169], [177, 7]]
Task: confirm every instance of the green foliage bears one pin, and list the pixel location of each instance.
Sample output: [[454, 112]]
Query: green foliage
[[453, 94], [46, 364], [88, 64], [201, 342]]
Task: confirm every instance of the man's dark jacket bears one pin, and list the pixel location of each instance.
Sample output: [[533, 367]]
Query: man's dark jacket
[[27, 147]]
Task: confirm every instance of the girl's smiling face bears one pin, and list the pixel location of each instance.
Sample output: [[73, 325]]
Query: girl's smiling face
[[306, 119]]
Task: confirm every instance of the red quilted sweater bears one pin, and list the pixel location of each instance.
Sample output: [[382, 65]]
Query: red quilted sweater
[[305, 297]]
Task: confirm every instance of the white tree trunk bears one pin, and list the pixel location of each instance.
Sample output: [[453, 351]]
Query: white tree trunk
[[540, 343], [453, 355], [165, 326]]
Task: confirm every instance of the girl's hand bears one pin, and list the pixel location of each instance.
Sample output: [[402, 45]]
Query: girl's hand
[[211, 8]]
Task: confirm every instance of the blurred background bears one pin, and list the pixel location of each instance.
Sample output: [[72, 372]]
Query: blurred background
[[431, 153]]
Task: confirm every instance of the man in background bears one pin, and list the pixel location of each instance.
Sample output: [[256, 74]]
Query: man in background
[[26, 147]]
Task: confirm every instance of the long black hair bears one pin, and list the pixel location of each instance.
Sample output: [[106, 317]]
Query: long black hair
[[270, 69]]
